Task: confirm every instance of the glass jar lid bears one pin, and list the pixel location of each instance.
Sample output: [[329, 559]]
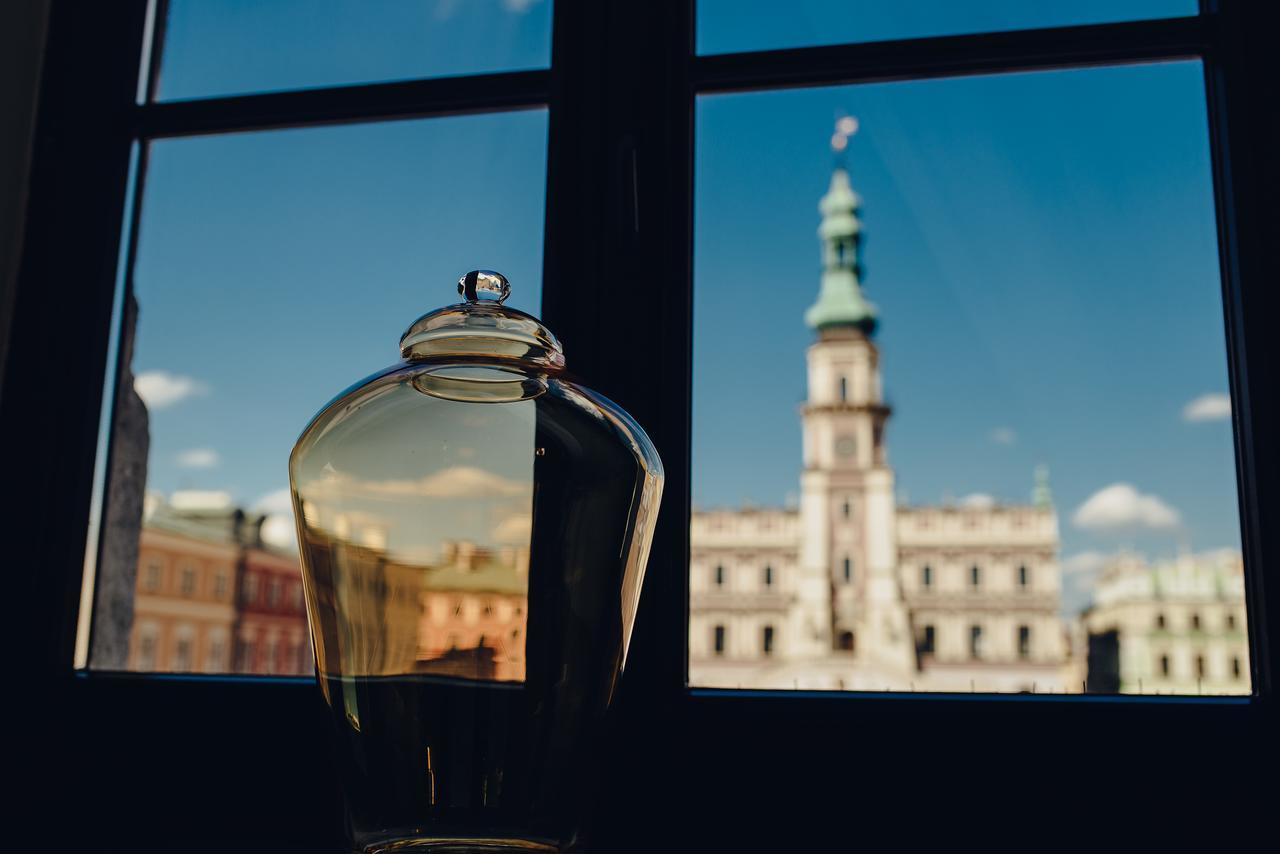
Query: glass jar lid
[[482, 327]]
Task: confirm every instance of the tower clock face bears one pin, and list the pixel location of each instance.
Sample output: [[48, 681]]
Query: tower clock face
[[845, 446]]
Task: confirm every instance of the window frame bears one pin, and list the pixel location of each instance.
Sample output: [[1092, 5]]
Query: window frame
[[621, 92]]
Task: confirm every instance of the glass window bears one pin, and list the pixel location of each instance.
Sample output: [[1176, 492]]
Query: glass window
[[766, 641], [303, 254], [1024, 641], [848, 570], [975, 641], [188, 583], [725, 25], [718, 645], [231, 47], [768, 575], [1008, 251]]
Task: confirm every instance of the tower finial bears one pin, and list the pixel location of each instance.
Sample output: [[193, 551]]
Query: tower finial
[[846, 126], [840, 300]]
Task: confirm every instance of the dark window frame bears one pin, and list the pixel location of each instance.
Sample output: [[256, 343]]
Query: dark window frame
[[621, 91]]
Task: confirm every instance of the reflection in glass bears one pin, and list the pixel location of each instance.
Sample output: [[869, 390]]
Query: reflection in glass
[[474, 531]]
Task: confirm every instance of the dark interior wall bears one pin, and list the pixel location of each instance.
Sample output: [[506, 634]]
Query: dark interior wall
[[22, 38]]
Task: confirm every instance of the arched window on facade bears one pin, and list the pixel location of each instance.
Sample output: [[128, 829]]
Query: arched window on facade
[[846, 642]]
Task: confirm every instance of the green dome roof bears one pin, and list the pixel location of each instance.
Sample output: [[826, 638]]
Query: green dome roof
[[840, 300]]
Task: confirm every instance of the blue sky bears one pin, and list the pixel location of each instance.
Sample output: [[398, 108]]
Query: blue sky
[[1041, 248], [1042, 251]]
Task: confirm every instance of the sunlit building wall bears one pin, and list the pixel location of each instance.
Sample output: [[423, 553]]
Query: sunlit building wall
[[1173, 627], [184, 606], [851, 591]]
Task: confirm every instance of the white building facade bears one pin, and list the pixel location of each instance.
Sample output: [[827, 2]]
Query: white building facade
[[1174, 627], [851, 591]]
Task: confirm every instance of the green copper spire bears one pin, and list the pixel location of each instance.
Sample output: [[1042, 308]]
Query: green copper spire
[[840, 301], [1041, 496]]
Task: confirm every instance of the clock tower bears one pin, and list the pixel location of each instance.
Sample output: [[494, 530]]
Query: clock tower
[[849, 595]]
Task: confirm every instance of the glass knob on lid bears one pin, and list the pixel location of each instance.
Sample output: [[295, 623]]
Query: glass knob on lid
[[482, 328], [484, 286]]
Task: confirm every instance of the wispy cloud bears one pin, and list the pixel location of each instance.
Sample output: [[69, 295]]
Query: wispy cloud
[[514, 530], [1003, 436], [452, 482], [1208, 407], [161, 389], [1121, 507], [198, 458], [279, 501], [519, 6], [978, 501]]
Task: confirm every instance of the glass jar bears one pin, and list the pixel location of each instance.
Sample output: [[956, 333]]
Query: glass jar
[[474, 528]]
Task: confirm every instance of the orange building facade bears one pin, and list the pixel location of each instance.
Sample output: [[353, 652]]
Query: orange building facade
[[184, 602]]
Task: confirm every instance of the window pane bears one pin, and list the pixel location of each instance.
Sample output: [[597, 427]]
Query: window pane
[[273, 270], [1009, 276], [725, 26], [232, 47]]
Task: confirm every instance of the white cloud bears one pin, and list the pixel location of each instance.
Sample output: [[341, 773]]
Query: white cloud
[[1084, 563], [515, 529], [1004, 436], [452, 482], [161, 389], [519, 6], [279, 501], [978, 501], [198, 458], [1121, 507], [1208, 407], [278, 530]]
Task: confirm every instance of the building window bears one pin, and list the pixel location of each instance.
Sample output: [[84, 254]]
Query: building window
[[151, 581], [1231, 622], [926, 576], [248, 589], [848, 569], [270, 653], [1164, 665], [220, 585], [975, 641], [719, 575], [217, 649], [844, 389], [1195, 622], [975, 576], [846, 642], [182, 656], [846, 509], [718, 643], [1235, 667], [1200, 668], [1159, 621], [768, 576], [147, 650], [1024, 641], [927, 642], [1023, 577], [188, 580], [273, 592], [767, 641]]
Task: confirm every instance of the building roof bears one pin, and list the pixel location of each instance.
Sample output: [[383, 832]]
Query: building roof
[[840, 301]]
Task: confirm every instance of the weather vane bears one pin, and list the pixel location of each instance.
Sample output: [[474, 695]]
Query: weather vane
[[846, 126]]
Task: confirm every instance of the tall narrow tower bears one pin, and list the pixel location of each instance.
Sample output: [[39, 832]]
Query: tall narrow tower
[[850, 603]]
